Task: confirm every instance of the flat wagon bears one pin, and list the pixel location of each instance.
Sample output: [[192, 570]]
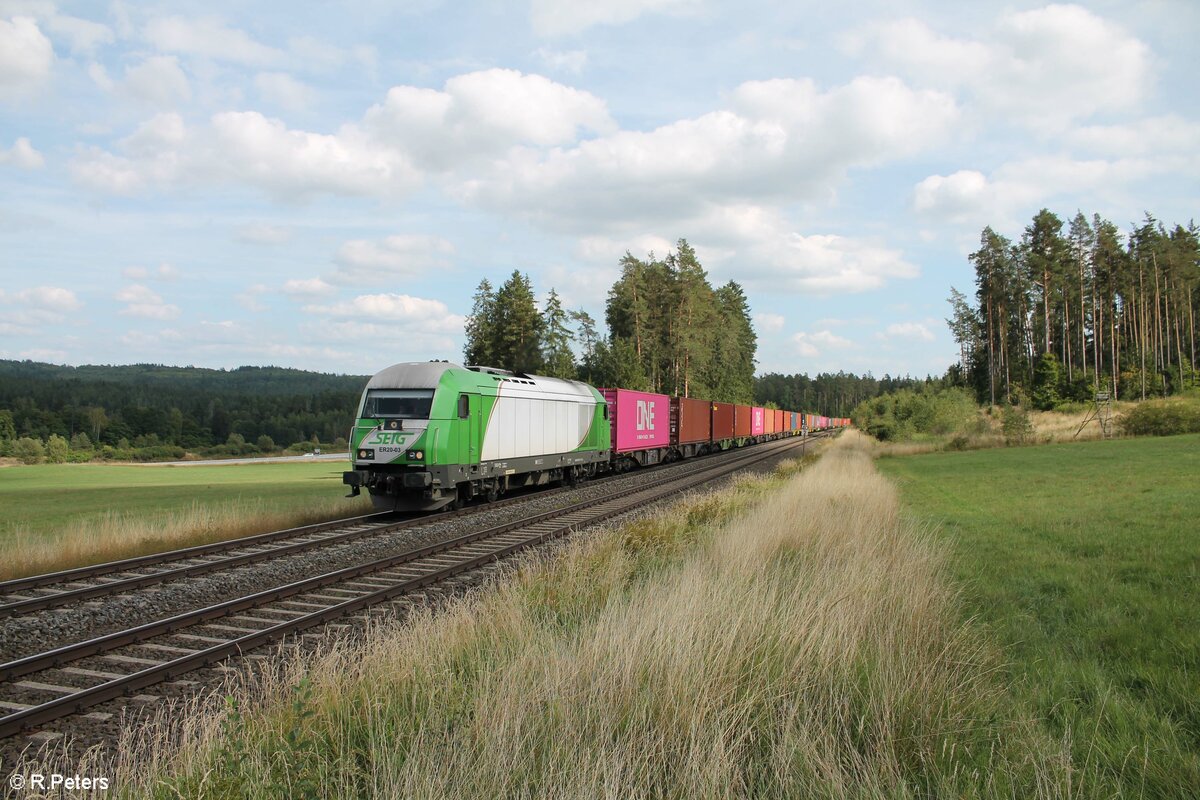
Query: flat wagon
[[641, 426], [691, 426]]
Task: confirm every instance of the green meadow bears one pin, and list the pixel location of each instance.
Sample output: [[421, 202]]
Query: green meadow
[[51, 496], [59, 516], [1084, 561]]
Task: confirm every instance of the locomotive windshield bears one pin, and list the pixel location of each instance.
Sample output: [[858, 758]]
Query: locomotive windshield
[[397, 403]]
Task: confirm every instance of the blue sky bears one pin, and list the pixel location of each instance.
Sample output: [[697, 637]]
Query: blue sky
[[222, 184]]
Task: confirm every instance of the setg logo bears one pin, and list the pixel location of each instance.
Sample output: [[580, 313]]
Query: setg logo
[[389, 438], [645, 415]]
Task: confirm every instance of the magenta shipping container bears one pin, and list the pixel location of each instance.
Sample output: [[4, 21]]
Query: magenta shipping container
[[639, 420], [756, 421]]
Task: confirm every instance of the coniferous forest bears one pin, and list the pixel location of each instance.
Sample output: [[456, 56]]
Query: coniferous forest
[[147, 411], [1072, 310], [666, 329]]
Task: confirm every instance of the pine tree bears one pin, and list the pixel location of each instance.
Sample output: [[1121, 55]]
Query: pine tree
[[517, 327], [618, 365], [588, 339], [694, 315], [732, 369], [557, 356], [1043, 251], [481, 325], [964, 326]]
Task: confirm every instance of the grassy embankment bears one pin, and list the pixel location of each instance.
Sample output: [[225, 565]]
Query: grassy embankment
[[1084, 562], [812, 646], [950, 421], [60, 516]]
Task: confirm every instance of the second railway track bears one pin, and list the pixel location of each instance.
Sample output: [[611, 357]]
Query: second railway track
[[70, 679], [67, 587]]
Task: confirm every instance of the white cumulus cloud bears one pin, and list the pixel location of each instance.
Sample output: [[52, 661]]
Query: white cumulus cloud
[[1045, 66], [26, 55], [780, 139], [281, 89], [210, 38], [564, 17], [766, 322], [48, 298], [399, 307], [82, 35], [307, 288], [393, 256], [141, 301], [261, 233], [159, 81], [483, 113], [1018, 188], [762, 249], [812, 344], [572, 61], [918, 331], [22, 155]]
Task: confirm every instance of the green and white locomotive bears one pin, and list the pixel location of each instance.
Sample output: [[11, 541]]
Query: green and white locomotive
[[432, 435]]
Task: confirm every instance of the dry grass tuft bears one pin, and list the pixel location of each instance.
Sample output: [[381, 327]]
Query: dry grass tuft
[[114, 536]]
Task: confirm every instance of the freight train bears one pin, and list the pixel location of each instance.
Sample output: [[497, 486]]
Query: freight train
[[434, 435]]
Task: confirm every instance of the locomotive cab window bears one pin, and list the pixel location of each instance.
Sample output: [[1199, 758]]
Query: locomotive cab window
[[464, 406], [397, 403]]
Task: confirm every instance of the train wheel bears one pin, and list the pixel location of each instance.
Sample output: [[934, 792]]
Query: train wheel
[[457, 503], [492, 494]]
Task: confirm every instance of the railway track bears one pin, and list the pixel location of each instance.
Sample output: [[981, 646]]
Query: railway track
[[70, 679], [64, 588]]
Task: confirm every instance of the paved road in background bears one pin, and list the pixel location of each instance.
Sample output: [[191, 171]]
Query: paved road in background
[[270, 460]]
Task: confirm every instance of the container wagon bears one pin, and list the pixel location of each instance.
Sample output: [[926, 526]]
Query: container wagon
[[691, 426], [641, 427], [743, 423], [722, 425]]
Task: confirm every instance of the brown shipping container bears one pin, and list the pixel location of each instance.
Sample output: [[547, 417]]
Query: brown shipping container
[[722, 421], [741, 420], [691, 420], [780, 424], [769, 421]]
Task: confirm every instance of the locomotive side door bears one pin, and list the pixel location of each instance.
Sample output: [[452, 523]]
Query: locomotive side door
[[474, 428]]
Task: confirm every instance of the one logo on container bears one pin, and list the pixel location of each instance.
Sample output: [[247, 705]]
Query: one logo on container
[[645, 415]]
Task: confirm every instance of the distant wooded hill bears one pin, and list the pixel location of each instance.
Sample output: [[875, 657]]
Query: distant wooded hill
[[146, 405]]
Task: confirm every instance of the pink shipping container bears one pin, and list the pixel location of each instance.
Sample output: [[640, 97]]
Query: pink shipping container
[[757, 421], [640, 420]]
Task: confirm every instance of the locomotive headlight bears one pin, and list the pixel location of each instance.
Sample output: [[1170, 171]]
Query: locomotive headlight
[[416, 455], [366, 452]]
